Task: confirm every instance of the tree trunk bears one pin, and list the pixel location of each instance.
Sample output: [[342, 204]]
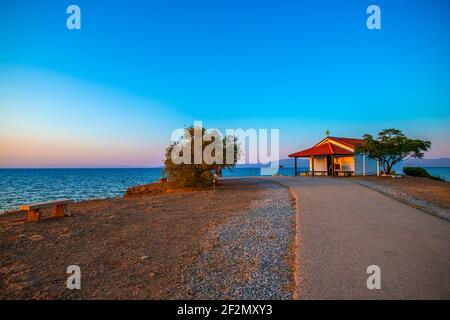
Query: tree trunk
[[388, 168]]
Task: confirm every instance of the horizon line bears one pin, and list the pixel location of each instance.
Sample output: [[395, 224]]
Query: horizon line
[[155, 167]]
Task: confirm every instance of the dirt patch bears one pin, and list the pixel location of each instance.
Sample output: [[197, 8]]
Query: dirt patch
[[127, 248]]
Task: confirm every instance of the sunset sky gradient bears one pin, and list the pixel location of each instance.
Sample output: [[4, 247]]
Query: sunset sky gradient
[[111, 94]]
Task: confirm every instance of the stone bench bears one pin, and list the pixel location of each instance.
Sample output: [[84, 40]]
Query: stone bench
[[34, 209]]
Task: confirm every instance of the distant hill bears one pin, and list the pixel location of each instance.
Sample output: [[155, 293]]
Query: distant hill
[[304, 163], [287, 163], [441, 162]]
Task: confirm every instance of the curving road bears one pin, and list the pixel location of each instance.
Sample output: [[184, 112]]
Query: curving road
[[344, 227]]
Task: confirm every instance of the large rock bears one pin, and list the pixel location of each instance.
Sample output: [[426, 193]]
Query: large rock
[[146, 189]]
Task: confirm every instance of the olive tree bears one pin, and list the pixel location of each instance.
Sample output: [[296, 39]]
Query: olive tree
[[190, 163]]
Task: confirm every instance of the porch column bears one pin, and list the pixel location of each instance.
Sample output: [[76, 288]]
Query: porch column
[[312, 165], [295, 166], [364, 163], [332, 165]]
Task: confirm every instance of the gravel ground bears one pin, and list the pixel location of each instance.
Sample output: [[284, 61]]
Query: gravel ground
[[149, 247], [250, 256], [401, 196]]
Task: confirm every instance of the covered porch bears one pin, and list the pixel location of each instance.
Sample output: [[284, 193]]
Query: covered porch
[[326, 160]]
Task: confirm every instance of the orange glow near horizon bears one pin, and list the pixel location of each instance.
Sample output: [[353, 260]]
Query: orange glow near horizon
[[35, 151]]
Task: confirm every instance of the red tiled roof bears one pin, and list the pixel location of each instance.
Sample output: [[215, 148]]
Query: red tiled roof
[[326, 148], [351, 142]]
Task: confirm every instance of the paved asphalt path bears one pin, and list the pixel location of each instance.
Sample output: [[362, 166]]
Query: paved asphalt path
[[345, 227]]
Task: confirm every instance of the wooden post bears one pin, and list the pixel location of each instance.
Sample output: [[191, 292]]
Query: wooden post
[[34, 215], [295, 166], [332, 165], [312, 157], [58, 211]]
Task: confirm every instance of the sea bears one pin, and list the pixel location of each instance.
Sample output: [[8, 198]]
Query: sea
[[21, 186]]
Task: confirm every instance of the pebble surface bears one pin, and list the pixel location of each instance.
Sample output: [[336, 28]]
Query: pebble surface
[[250, 256]]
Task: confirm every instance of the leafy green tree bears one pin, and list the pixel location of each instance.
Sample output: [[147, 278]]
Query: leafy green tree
[[392, 146], [200, 175]]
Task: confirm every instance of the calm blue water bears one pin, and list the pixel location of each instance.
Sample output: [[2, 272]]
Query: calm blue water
[[443, 173], [19, 186]]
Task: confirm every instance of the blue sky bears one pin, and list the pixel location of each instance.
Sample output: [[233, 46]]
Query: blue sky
[[111, 93]]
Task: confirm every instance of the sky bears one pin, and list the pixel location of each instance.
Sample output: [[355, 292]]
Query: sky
[[111, 93]]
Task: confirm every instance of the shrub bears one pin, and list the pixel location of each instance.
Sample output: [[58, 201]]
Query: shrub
[[416, 172], [419, 172]]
